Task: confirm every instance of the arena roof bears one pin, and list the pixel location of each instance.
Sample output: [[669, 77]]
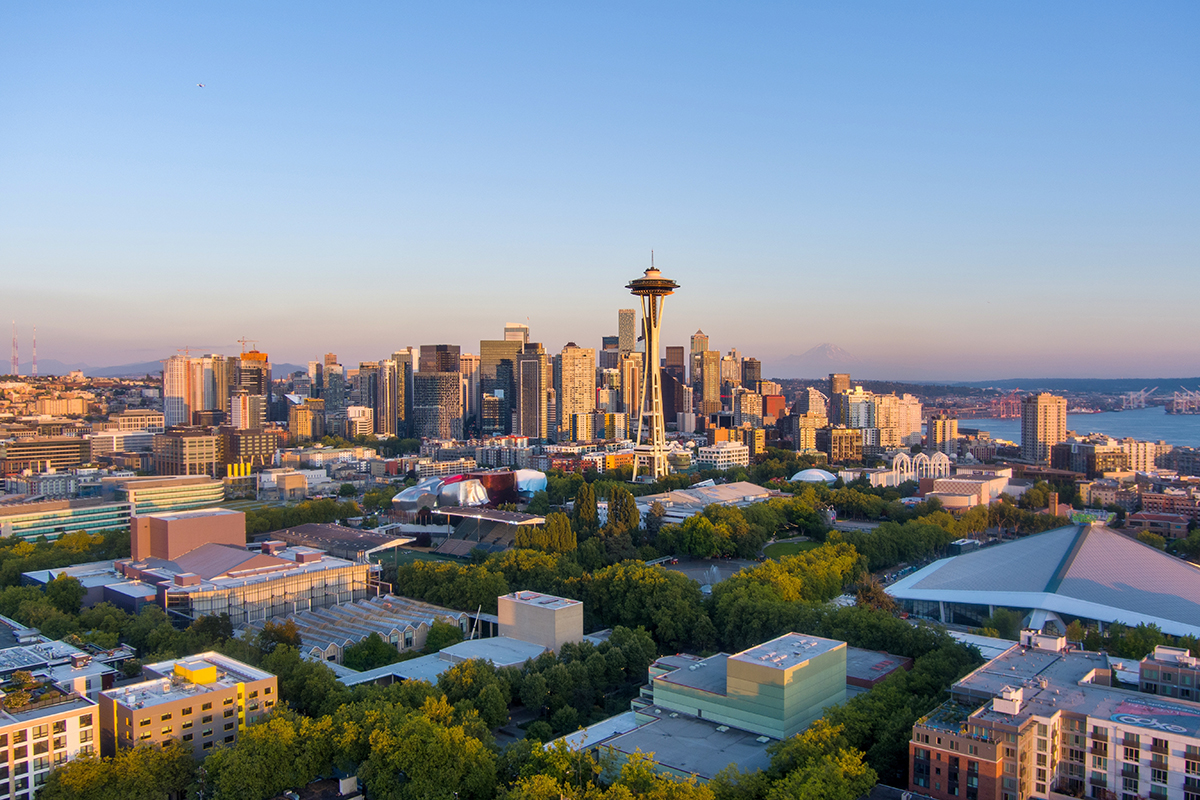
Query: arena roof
[[1090, 572]]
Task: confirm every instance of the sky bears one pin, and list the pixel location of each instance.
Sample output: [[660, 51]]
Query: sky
[[944, 190]]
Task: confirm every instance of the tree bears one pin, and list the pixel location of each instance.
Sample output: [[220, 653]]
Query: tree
[[872, 595], [347, 490], [1006, 622], [145, 771], [492, 706], [65, 593], [623, 514], [274, 634], [369, 652], [442, 635], [1152, 539], [584, 515]]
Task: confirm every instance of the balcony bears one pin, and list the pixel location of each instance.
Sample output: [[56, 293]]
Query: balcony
[[1098, 780], [1129, 771], [1100, 736], [1099, 749], [1160, 746]]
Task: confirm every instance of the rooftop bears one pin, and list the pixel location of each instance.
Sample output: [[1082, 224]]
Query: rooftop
[[693, 746], [541, 600], [787, 651], [192, 514], [229, 673]]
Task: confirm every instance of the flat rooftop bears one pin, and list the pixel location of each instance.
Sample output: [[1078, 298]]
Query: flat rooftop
[[705, 674], [541, 600], [194, 513], [693, 746], [173, 687], [787, 651], [500, 650], [871, 665], [490, 514]]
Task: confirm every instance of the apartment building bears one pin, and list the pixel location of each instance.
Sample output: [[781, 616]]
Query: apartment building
[[203, 700]]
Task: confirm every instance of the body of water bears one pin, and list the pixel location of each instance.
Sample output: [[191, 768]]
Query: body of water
[[1151, 424]]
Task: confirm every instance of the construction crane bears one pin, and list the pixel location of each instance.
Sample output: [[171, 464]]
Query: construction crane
[[1184, 402], [1136, 399], [244, 341]]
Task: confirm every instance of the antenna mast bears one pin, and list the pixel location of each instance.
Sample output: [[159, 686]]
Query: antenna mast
[[35, 351], [16, 359]]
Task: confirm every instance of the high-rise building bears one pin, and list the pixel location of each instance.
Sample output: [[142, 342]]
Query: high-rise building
[[189, 451], [193, 383], [676, 364], [498, 378], [708, 381], [811, 400], [1043, 425], [610, 352], [389, 399], [468, 367], [406, 363], [438, 358], [838, 382], [516, 332], [254, 374], [626, 331], [631, 385], [751, 373], [334, 392], [943, 434], [247, 410], [575, 383], [909, 420], [747, 408], [437, 405], [699, 346], [731, 369], [534, 379], [316, 378]]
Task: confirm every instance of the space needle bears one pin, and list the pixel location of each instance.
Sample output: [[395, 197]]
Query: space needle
[[651, 455]]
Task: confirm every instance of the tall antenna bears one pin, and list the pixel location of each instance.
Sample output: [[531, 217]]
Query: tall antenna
[[16, 359], [35, 351]]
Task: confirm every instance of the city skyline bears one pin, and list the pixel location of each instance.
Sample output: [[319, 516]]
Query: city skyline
[[997, 187]]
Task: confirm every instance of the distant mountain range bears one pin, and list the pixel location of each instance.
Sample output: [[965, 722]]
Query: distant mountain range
[[815, 362]]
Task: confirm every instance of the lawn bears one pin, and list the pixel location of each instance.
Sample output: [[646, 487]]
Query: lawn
[[401, 556], [788, 548]]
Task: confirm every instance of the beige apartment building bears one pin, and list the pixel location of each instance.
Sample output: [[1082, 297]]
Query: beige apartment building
[[39, 736], [203, 700]]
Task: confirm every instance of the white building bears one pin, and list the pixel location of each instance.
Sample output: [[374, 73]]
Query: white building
[[723, 455]]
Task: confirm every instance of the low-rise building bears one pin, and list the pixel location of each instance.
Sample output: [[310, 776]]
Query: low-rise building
[[41, 728], [1168, 526], [722, 455], [204, 700]]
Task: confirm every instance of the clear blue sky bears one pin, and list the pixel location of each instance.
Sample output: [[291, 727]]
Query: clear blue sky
[[948, 189]]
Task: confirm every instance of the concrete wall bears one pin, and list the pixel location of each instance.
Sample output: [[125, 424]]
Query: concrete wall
[[551, 626]]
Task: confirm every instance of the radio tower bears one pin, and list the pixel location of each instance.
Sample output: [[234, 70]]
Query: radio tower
[[34, 351], [16, 360], [653, 454]]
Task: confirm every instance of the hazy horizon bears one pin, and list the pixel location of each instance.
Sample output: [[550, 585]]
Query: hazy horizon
[[947, 192]]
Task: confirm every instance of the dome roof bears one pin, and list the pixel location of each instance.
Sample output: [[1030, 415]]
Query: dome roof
[[814, 475]]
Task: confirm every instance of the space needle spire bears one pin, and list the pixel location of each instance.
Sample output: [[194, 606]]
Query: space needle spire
[[651, 455]]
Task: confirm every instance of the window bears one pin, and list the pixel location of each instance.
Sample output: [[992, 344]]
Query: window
[[21, 768], [20, 752], [206, 707], [187, 711], [228, 726], [41, 731], [408, 639], [207, 718], [207, 746], [1132, 754], [167, 730], [60, 726], [41, 747], [86, 736], [207, 732], [20, 736], [229, 738], [143, 722], [1041, 759], [228, 701], [189, 723], [187, 737], [43, 762], [165, 717], [254, 693], [267, 690], [1158, 776], [145, 735], [1099, 762], [228, 713], [60, 742]]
